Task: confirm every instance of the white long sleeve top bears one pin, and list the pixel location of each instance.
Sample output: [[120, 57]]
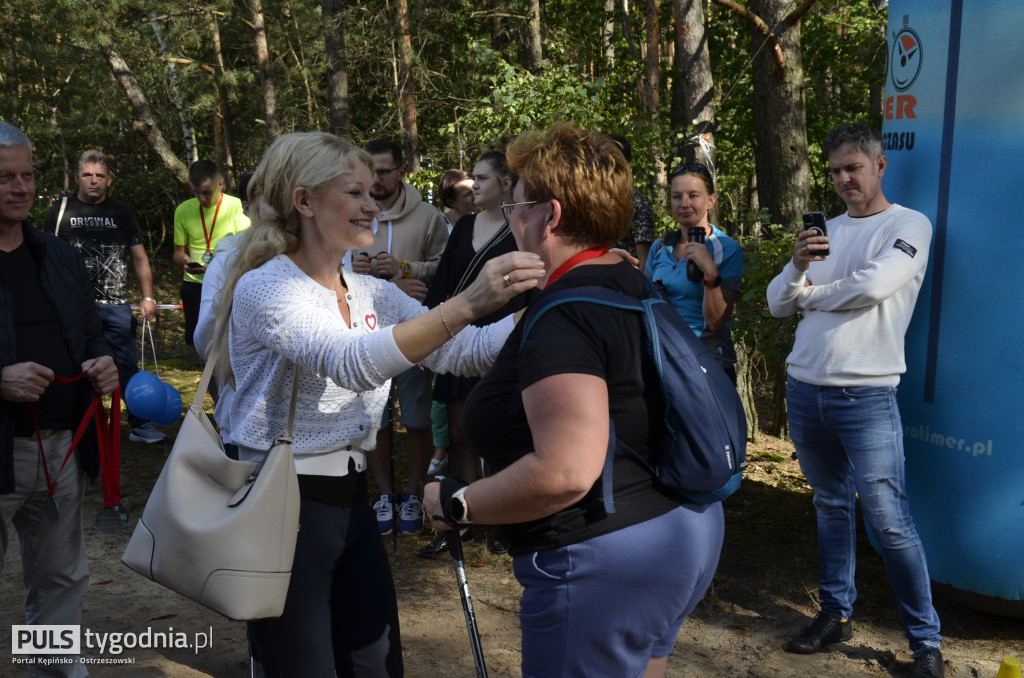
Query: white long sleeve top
[[281, 317], [857, 304], [213, 281]]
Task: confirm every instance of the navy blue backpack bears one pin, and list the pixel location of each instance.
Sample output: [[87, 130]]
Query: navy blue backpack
[[703, 452]]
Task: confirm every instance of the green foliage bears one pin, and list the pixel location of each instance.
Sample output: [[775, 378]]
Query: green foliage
[[470, 96], [770, 338]]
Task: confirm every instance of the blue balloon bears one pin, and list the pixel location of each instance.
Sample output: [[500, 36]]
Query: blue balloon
[[145, 395], [172, 407]]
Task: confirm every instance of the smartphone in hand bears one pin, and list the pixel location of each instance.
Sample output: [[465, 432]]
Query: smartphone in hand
[[195, 267], [816, 221]]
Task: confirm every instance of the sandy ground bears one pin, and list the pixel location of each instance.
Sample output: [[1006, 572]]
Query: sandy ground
[[763, 593]]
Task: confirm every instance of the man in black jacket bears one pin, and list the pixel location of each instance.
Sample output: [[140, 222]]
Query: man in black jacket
[[48, 329]]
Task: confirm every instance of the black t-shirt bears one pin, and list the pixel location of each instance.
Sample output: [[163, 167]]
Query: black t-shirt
[[102, 234], [576, 338], [39, 339]]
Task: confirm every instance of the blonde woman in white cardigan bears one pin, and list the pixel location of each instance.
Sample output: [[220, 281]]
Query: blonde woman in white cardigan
[[293, 307]]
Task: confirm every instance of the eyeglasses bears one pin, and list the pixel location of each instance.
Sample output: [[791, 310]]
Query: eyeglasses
[[383, 173], [692, 167], [507, 207]]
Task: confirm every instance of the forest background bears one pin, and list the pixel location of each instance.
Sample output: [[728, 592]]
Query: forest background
[[158, 84]]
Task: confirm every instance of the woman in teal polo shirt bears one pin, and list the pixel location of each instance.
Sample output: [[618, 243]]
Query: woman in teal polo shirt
[[705, 297]]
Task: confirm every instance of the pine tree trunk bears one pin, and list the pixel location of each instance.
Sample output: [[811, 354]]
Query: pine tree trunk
[[144, 124], [187, 130], [534, 44], [263, 64], [223, 108], [337, 71], [652, 95], [693, 90], [408, 82], [780, 128], [745, 380], [607, 32]]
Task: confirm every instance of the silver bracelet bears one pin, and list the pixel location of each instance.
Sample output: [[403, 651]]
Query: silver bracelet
[[445, 320], [149, 299]]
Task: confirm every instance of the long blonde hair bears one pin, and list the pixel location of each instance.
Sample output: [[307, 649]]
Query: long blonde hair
[[298, 159]]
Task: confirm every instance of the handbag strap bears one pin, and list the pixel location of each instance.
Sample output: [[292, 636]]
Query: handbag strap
[[60, 215], [211, 365]]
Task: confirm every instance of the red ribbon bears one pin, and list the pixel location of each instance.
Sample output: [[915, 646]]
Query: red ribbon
[[574, 260], [109, 442], [202, 217]]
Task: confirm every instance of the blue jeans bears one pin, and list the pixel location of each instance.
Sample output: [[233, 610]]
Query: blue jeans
[[119, 325], [849, 442]]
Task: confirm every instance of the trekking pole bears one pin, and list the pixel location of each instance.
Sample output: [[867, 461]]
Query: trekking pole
[[391, 452], [455, 546]]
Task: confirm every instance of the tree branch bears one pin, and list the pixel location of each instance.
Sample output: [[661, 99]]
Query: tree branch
[[762, 28]]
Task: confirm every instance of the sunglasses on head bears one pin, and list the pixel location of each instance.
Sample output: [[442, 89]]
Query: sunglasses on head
[[692, 167]]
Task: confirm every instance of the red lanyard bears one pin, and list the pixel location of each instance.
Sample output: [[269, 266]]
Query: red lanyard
[[109, 445], [579, 258], [202, 217]]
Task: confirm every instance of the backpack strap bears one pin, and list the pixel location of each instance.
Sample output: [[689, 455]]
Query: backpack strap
[[605, 297], [60, 215]]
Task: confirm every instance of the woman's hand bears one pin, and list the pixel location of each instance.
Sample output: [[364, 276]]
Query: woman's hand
[[432, 506], [697, 252], [501, 279], [626, 256]]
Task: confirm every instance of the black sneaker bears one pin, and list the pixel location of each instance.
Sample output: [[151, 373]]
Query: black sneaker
[[824, 630], [439, 547], [928, 664], [496, 544]]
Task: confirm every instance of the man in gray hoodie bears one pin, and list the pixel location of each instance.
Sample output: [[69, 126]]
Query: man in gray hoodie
[[409, 237]]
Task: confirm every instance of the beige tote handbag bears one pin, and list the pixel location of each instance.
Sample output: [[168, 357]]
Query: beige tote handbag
[[219, 531]]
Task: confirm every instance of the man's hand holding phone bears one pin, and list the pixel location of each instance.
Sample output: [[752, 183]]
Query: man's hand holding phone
[[812, 242], [195, 268]]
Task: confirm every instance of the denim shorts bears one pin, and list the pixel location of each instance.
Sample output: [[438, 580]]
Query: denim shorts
[[415, 387]]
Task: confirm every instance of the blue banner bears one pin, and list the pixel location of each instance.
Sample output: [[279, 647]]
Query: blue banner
[[954, 140]]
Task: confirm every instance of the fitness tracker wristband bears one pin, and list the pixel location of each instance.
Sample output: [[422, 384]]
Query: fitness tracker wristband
[[713, 283]]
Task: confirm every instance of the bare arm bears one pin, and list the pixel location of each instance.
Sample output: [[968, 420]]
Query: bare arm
[[571, 438], [180, 256], [717, 306], [140, 261], [421, 336], [642, 250]]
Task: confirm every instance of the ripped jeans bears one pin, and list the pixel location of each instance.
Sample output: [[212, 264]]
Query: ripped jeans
[[849, 442]]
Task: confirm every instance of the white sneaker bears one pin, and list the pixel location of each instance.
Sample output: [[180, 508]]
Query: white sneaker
[[385, 513], [147, 433], [410, 515], [436, 466]]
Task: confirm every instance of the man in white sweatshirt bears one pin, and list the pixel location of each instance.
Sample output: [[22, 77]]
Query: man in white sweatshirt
[[856, 301]]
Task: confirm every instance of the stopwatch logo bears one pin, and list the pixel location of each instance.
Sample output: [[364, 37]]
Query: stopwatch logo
[[907, 57]]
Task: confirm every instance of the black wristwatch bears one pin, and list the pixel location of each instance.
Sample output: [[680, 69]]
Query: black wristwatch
[[458, 509], [717, 282]]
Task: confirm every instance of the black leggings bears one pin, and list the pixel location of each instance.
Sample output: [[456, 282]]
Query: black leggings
[[341, 612]]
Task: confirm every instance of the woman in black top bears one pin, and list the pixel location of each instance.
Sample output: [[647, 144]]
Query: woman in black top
[[604, 593], [476, 239]]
